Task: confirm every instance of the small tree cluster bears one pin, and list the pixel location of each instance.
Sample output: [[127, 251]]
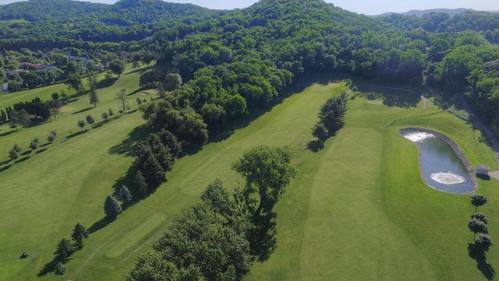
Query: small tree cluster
[[331, 118], [65, 248], [478, 224], [155, 157]]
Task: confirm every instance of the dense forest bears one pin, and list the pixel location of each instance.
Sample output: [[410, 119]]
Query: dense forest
[[213, 67]]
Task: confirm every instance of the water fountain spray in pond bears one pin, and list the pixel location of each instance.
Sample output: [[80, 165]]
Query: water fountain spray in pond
[[447, 178], [418, 136], [440, 166]]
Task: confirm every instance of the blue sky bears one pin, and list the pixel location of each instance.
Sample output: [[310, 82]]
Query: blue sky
[[369, 7]]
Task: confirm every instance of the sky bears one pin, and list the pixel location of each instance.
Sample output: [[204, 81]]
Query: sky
[[368, 7]]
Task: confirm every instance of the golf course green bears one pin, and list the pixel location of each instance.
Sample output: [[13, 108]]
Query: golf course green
[[356, 210]]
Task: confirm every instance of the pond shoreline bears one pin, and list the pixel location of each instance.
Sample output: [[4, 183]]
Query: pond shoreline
[[457, 150]]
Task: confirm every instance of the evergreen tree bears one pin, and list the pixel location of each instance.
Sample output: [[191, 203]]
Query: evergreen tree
[[13, 154], [161, 152], [90, 119], [153, 173], [59, 268], [170, 140], [79, 233], [478, 200], [111, 207], [140, 185], [93, 98], [81, 124], [125, 194], [64, 250]]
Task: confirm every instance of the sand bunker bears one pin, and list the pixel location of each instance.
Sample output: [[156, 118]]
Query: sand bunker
[[418, 136], [447, 178]]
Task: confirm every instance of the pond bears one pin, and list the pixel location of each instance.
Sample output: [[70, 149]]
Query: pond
[[440, 166]]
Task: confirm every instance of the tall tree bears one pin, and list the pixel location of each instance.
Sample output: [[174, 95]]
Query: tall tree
[[117, 67], [140, 185], [121, 96], [79, 233], [268, 170], [64, 250], [111, 207], [92, 97], [172, 82]]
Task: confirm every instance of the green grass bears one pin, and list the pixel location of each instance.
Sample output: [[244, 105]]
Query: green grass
[[357, 210], [360, 211], [65, 182]]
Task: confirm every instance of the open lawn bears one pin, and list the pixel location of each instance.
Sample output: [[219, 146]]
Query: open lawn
[[360, 211], [357, 210]]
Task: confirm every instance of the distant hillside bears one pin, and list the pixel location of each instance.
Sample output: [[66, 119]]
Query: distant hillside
[[142, 11], [36, 10], [420, 13]]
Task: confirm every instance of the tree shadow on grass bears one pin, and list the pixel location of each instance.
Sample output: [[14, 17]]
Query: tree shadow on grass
[[41, 150], [50, 266], [83, 110], [22, 159], [7, 133], [100, 224], [130, 144], [75, 134], [263, 236], [479, 256], [5, 167]]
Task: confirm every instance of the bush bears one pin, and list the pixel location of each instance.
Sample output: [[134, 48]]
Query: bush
[[51, 137], [34, 144], [90, 119], [110, 111], [105, 116], [81, 124], [13, 154]]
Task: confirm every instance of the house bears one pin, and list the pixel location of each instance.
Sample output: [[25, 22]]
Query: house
[[482, 172]]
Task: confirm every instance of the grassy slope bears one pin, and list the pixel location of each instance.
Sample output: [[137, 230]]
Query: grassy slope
[[359, 210], [356, 211], [45, 195]]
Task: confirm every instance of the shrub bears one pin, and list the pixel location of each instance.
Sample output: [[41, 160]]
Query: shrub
[[81, 124], [51, 137], [13, 154], [34, 144], [105, 116], [90, 119]]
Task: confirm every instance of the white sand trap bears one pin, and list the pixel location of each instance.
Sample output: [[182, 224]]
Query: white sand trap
[[447, 178], [418, 136]]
